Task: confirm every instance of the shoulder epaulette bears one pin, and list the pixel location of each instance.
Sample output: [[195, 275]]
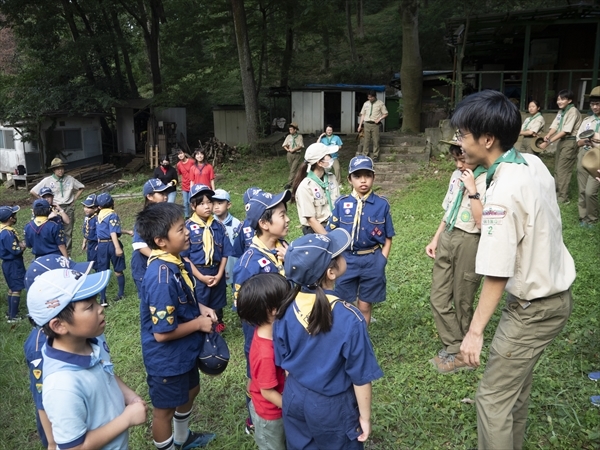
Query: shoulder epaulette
[[353, 309], [163, 274]]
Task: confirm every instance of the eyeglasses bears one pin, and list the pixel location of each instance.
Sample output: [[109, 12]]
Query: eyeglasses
[[460, 135]]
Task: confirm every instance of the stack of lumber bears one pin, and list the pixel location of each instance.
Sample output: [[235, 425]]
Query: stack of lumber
[[94, 172], [218, 152], [136, 164]]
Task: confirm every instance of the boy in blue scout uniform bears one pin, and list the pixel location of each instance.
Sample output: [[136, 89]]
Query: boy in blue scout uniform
[[366, 216], [266, 213], [90, 239], [221, 205], [208, 252], [110, 248], [323, 344], [57, 214], [245, 232], [44, 236], [154, 191], [36, 340], [11, 254], [171, 322]]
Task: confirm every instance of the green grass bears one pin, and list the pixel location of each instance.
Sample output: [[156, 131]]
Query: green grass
[[413, 406]]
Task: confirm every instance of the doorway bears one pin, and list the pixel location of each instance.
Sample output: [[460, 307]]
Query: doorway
[[333, 110]]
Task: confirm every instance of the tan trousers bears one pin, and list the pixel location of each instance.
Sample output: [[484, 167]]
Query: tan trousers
[[526, 145], [502, 397], [337, 170], [587, 201], [68, 228], [566, 156], [294, 160], [454, 286], [371, 134]]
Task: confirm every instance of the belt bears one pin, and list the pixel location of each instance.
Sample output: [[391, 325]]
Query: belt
[[367, 251], [568, 138], [207, 266], [104, 240], [369, 121]]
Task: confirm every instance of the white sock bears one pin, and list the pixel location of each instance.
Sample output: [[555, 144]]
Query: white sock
[[181, 426], [167, 445]]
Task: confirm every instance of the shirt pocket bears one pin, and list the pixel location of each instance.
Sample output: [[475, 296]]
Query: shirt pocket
[[376, 220]]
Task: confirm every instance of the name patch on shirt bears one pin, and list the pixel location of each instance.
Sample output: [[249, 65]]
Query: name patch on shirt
[[493, 215]]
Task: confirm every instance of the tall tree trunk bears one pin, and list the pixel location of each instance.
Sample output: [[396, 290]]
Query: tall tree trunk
[[350, 32], [89, 73], [411, 70], [125, 52], [286, 62], [326, 50], [246, 70], [360, 29]]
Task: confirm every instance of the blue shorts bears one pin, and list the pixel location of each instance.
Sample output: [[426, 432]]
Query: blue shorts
[[171, 392], [214, 297], [313, 421], [364, 278], [92, 253], [14, 274], [107, 255]]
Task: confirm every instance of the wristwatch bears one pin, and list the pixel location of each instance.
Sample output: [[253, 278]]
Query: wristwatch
[[476, 196]]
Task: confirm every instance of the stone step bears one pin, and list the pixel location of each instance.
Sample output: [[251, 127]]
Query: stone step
[[399, 167], [403, 150], [402, 140], [400, 158]]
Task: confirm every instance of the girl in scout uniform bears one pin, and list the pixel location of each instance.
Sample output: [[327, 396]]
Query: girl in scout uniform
[[532, 126], [90, 238], [454, 248], [11, 254], [366, 217], [208, 252], [323, 344], [245, 232], [315, 188]]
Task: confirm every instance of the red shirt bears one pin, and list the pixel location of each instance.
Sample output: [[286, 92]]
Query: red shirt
[[184, 169], [202, 174], [264, 375]]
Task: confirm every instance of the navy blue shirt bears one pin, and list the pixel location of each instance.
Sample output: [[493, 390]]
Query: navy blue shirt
[[107, 224], [243, 239], [221, 248], [139, 262], [89, 227], [45, 238], [9, 245]]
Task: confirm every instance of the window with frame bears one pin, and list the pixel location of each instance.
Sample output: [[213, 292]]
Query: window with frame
[[67, 140], [7, 140]]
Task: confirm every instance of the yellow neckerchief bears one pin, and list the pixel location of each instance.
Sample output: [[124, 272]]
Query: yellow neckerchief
[[304, 303], [359, 207], [40, 220], [207, 237], [103, 213], [10, 229], [87, 223], [261, 247], [170, 258]]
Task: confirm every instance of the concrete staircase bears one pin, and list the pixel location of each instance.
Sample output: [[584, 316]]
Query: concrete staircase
[[399, 158]]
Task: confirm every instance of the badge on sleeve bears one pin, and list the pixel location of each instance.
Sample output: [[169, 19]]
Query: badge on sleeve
[[317, 193], [348, 205], [194, 226], [493, 215], [263, 262]]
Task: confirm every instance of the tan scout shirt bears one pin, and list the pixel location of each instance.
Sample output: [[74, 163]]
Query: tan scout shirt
[[570, 124], [294, 141], [70, 186], [311, 200], [376, 112], [464, 220], [536, 124], [521, 232], [590, 123]]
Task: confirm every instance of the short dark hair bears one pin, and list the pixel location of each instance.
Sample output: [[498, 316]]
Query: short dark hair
[[566, 93], [456, 151], [195, 201], [155, 221], [372, 93], [534, 101], [261, 294], [42, 210], [65, 315], [267, 216], [489, 112]]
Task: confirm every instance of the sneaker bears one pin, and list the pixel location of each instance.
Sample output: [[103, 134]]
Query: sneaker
[[220, 327], [195, 440], [594, 376], [595, 399], [453, 363], [373, 320], [249, 428], [13, 319], [118, 298], [104, 303]]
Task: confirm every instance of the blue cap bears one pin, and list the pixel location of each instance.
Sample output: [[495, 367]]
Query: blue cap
[[154, 185], [262, 201], [51, 262], [90, 201], [7, 211], [308, 257], [360, 162], [52, 291], [221, 194], [46, 191], [214, 355], [250, 193], [104, 199], [40, 203], [198, 189]]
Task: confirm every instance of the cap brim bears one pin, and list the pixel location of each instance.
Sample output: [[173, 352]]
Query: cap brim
[[455, 143], [208, 192], [284, 197], [340, 240], [93, 284]]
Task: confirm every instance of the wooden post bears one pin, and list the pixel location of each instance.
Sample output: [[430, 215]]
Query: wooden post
[[525, 67]]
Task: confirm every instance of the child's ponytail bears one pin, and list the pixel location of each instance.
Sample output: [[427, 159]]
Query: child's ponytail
[[320, 318]]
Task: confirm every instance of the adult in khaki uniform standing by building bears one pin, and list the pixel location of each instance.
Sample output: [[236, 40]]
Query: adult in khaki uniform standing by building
[[532, 125], [588, 186], [66, 190], [521, 251], [293, 145], [563, 129], [371, 115]]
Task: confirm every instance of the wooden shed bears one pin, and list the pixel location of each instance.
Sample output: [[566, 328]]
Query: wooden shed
[[230, 124]]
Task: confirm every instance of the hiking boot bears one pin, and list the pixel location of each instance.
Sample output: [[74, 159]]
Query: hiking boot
[[439, 357], [453, 363], [195, 440]]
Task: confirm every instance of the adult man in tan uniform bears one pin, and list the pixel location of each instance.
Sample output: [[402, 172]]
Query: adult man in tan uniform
[[521, 251], [563, 129], [66, 190], [371, 114], [293, 145]]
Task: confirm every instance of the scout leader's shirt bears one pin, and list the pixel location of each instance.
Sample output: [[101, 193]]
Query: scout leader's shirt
[[168, 301], [534, 123], [567, 120], [521, 232], [328, 363], [590, 123], [81, 394], [89, 228], [295, 142], [108, 222], [373, 111], [44, 236], [311, 199], [197, 253], [371, 226], [464, 219], [64, 188], [9, 244]]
